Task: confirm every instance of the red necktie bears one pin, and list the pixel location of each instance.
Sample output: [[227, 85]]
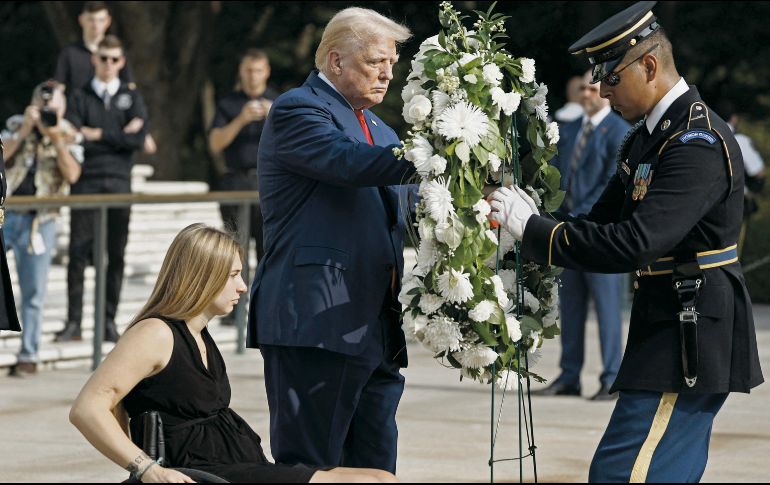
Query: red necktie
[[362, 121]]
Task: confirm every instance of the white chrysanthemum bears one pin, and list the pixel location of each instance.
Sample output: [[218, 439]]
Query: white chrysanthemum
[[551, 318], [537, 102], [417, 109], [426, 255], [527, 70], [535, 196], [491, 236], [531, 301], [476, 357], [494, 162], [438, 199], [450, 232], [508, 277], [500, 294], [425, 228], [508, 381], [413, 325], [435, 165], [542, 112], [455, 286], [463, 152], [470, 78], [552, 133], [482, 311], [412, 89], [465, 122], [508, 102], [492, 74], [482, 209], [420, 152], [409, 283], [513, 326], [442, 334], [441, 101], [429, 303]]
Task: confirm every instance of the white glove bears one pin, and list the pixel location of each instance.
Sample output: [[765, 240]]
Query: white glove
[[512, 209]]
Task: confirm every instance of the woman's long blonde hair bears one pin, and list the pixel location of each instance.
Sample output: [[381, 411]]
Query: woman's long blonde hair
[[194, 271]]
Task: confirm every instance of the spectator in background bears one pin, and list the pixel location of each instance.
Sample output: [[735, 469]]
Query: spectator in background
[[754, 173], [572, 110], [43, 158], [74, 68], [112, 118], [236, 131], [587, 159]]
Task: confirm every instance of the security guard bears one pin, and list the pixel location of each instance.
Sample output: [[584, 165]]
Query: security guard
[[672, 213], [8, 318]]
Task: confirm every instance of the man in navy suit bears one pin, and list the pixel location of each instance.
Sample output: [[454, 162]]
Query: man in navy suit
[[588, 148], [323, 303]]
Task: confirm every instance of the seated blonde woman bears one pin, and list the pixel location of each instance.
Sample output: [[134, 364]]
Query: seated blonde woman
[[167, 362]]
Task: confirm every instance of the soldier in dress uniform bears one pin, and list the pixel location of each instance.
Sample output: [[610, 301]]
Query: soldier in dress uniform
[[672, 213], [8, 318]]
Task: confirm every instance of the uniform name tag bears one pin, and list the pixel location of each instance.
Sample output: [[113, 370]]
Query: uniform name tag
[[703, 135]]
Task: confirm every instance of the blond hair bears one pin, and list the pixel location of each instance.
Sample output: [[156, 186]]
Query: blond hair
[[194, 272], [352, 28]]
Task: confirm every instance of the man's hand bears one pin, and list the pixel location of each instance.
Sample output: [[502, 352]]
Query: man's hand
[[91, 134], [134, 126], [159, 474], [31, 119], [255, 110], [512, 209]]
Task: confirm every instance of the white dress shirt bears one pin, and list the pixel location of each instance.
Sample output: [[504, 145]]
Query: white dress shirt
[[664, 104]]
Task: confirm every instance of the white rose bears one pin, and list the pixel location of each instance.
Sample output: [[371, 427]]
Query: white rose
[[466, 58], [551, 318], [417, 109], [482, 311], [492, 74], [412, 89], [418, 69]]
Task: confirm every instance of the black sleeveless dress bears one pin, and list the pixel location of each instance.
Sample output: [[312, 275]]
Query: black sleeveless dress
[[201, 430]]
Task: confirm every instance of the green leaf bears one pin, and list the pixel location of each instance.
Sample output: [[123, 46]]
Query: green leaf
[[487, 336], [474, 63], [450, 150], [551, 332], [482, 155], [529, 324], [442, 38], [552, 203], [453, 361], [551, 178]]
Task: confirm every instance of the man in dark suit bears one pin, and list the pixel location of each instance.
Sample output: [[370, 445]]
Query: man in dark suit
[[323, 308], [672, 212], [9, 320], [587, 160]]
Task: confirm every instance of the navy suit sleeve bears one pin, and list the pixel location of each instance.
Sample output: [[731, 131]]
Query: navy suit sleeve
[[685, 187], [609, 166], [309, 143], [118, 139]]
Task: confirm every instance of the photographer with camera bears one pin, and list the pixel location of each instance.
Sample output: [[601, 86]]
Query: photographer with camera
[[43, 157], [112, 119]]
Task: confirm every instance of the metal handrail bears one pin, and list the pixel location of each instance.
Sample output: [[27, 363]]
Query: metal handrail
[[102, 202]]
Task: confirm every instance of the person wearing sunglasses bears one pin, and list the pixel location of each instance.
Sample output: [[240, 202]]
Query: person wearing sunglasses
[[112, 118], [672, 214]]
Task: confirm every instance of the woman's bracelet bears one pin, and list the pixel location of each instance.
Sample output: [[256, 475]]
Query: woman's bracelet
[[138, 475]]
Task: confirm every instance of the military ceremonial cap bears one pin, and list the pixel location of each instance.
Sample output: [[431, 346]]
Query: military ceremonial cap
[[606, 45]]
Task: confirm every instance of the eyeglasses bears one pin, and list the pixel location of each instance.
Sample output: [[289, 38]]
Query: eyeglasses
[[114, 60], [613, 78]]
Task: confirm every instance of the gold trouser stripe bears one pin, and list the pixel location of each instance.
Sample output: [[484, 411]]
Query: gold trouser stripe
[[550, 243], [621, 35], [658, 428]]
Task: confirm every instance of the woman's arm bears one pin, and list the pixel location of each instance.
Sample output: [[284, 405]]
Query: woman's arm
[[142, 351]]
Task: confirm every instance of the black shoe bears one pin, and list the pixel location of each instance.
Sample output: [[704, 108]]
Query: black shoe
[[604, 394], [558, 389], [21, 369], [70, 333], [111, 332]]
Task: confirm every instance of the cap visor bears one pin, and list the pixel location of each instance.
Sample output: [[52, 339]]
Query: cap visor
[[600, 71]]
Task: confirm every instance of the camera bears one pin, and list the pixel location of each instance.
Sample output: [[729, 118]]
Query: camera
[[48, 115]]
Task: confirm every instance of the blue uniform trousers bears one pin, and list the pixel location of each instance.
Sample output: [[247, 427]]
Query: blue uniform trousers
[[656, 437], [328, 409], [577, 287]]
